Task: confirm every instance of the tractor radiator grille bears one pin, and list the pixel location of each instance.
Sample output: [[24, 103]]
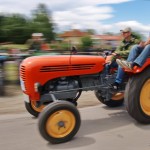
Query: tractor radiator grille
[[22, 73], [66, 67], [23, 76]]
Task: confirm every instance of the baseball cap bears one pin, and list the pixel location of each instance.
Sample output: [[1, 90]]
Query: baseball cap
[[127, 29]]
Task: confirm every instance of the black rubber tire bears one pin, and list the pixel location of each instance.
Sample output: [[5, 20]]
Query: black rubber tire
[[29, 108], [132, 96], [110, 103], [50, 110]]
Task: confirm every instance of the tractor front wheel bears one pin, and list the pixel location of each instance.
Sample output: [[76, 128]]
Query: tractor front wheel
[[33, 109], [59, 122], [137, 96]]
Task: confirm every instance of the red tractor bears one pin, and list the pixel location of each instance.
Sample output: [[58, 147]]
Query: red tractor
[[53, 84]]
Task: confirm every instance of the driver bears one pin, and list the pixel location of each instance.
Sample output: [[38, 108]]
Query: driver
[[122, 51]]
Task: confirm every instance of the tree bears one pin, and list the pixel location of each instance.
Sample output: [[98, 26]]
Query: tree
[[91, 31], [42, 22], [13, 28], [109, 33], [86, 42], [18, 28], [138, 35]]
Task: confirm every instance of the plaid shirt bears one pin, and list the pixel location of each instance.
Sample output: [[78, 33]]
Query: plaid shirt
[[125, 47]]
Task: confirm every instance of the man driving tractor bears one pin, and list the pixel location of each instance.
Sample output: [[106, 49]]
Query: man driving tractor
[[122, 51]]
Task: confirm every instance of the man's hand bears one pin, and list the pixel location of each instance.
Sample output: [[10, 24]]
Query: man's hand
[[116, 55], [147, 42], [143, 44]]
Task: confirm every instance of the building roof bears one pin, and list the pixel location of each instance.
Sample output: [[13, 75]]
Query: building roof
[[74, 33], [108, 37]]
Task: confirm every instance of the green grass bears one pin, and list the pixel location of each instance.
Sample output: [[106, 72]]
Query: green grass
[[14, 46], [11, 71]]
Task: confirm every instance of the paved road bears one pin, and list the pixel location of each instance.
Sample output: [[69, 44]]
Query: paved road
[[102, 128], [13, 103]]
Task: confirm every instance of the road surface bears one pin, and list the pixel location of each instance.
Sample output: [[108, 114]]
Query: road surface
[[102, 128]]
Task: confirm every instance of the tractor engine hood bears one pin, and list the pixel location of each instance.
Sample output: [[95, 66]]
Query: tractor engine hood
[[44, 68]]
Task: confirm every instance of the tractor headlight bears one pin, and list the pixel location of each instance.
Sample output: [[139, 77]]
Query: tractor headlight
[[22, 85], [37, 87]]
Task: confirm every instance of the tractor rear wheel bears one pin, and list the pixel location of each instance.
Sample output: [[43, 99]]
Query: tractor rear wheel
[[33, 109], [59, 122], [137, 96], [116, 100]]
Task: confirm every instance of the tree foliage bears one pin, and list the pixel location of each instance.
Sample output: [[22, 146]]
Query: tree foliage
[[138, 35], [43, 22], [18, 28], [13, 28], [90, 31], [86, 42]]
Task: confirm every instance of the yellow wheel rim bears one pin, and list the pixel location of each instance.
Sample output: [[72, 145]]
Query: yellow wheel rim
[[60, 124], [145, 98], [118, 96], [37, 109]]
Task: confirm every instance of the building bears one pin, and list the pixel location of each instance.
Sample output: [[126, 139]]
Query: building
[[73, 36], [106, 41]]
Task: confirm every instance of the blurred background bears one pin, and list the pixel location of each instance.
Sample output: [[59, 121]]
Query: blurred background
[[38, 34]]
